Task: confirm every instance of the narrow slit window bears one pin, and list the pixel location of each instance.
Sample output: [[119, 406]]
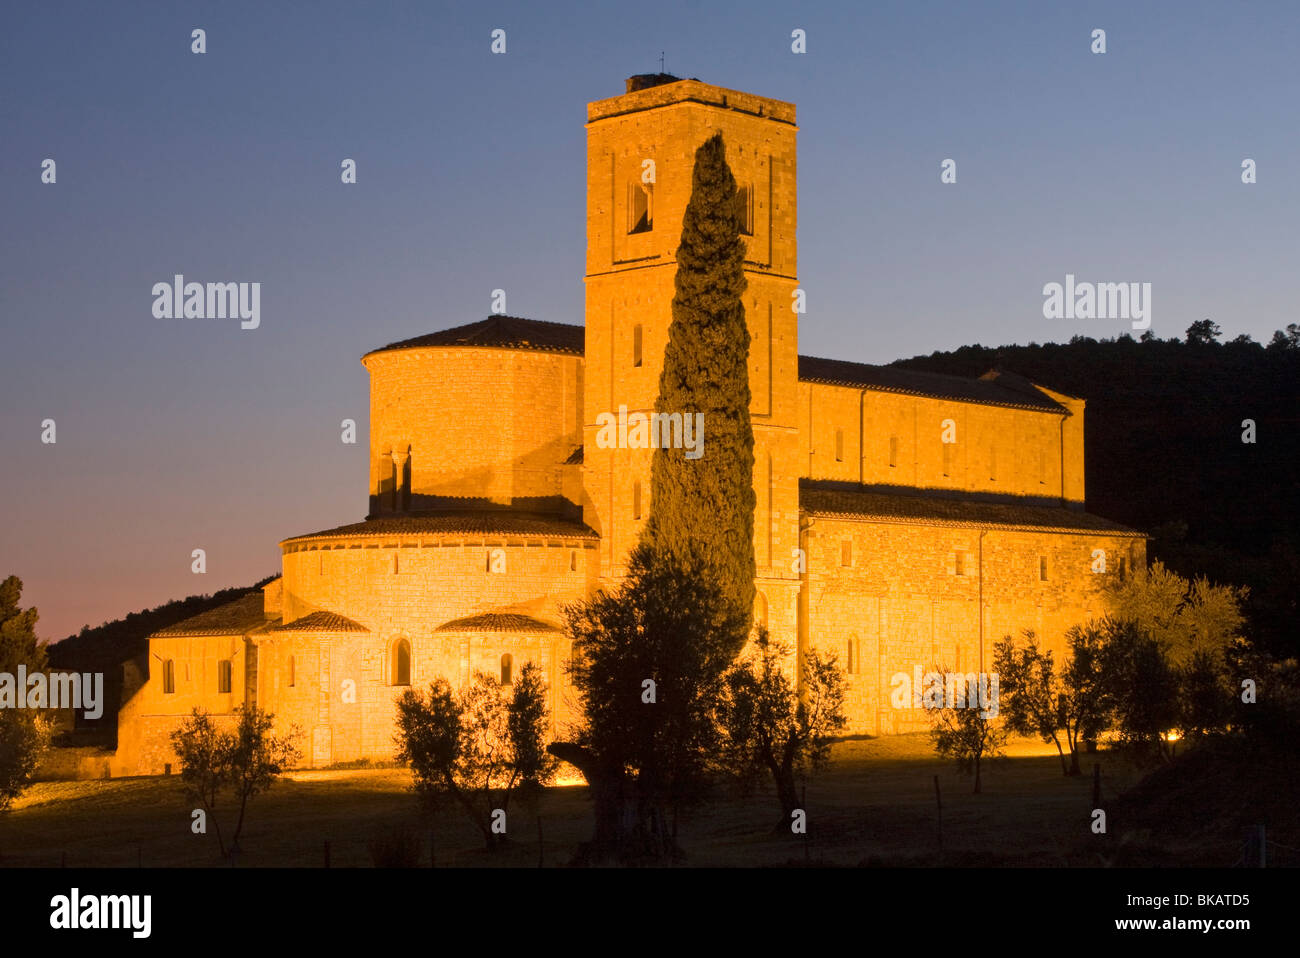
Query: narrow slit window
[[223, 676], [846, 552], [640, 214], [169, 677], [1042, 568], [507, 669], [947, 459], [636, 499], [636, 345], [839, 445], [745, 209], [293, 675], [893, 452]]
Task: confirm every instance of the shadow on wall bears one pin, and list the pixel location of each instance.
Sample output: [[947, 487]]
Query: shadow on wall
[[477, 489]]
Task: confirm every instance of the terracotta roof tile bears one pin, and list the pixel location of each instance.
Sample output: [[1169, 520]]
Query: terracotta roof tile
[[517, 332], [954, 512], [497, 622], [508, 332], [1001, 390], [321, 622], [234, 618], [458, 523]]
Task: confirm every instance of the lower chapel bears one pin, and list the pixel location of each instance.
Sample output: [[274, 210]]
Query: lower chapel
[[903, 519]]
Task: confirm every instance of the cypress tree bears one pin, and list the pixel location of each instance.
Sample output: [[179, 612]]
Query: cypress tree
[[702, 510]]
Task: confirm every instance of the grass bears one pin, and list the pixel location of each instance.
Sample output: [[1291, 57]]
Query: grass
[[874, 806]]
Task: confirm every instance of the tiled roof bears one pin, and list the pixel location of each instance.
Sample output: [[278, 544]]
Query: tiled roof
[[458, 523], [321, 622], [954, 512], [497, 622], [516, 332], [509, 332], [999, 389], [234, 618]]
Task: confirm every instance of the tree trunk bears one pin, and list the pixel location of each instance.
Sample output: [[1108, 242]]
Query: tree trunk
[[786, 792], [609, 798], [977, 775], [1064, 769]]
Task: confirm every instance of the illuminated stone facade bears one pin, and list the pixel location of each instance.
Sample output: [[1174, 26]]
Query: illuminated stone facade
[[903, 519]]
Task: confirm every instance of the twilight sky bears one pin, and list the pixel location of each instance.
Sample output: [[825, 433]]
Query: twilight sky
[[181, 434]]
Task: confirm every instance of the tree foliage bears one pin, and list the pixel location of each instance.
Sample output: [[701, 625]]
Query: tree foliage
[[478, 746], [769, 728], [1140, 688], [1203, 332], [648, 668], [965, 735], [1039, 698], [702, 510], [18, 642], [24, 738], [1184, 617], [24, 734], [244, 760]]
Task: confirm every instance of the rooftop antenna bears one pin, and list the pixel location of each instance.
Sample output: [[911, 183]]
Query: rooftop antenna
[[661, 61]]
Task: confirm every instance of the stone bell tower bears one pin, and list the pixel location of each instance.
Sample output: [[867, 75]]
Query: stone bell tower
[[640, 158]]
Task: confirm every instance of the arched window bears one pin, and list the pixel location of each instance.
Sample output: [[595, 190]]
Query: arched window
[[292, 676], [169, 677], [400, 673], [507, 668]]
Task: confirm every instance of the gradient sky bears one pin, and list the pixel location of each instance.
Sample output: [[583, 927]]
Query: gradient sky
[[175, 435]]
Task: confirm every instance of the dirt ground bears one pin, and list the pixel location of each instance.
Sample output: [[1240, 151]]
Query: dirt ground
[[875, 805]]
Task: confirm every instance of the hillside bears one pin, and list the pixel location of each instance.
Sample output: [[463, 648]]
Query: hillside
[[105, 647]]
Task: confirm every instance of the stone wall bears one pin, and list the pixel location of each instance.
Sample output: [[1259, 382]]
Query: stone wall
[[484, 427], [910, 595], [845, 435]]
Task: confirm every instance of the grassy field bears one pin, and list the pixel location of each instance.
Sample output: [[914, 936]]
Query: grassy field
[[874, 806]]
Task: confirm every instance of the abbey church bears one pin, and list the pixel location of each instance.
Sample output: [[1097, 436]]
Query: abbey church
[[903, 519]]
